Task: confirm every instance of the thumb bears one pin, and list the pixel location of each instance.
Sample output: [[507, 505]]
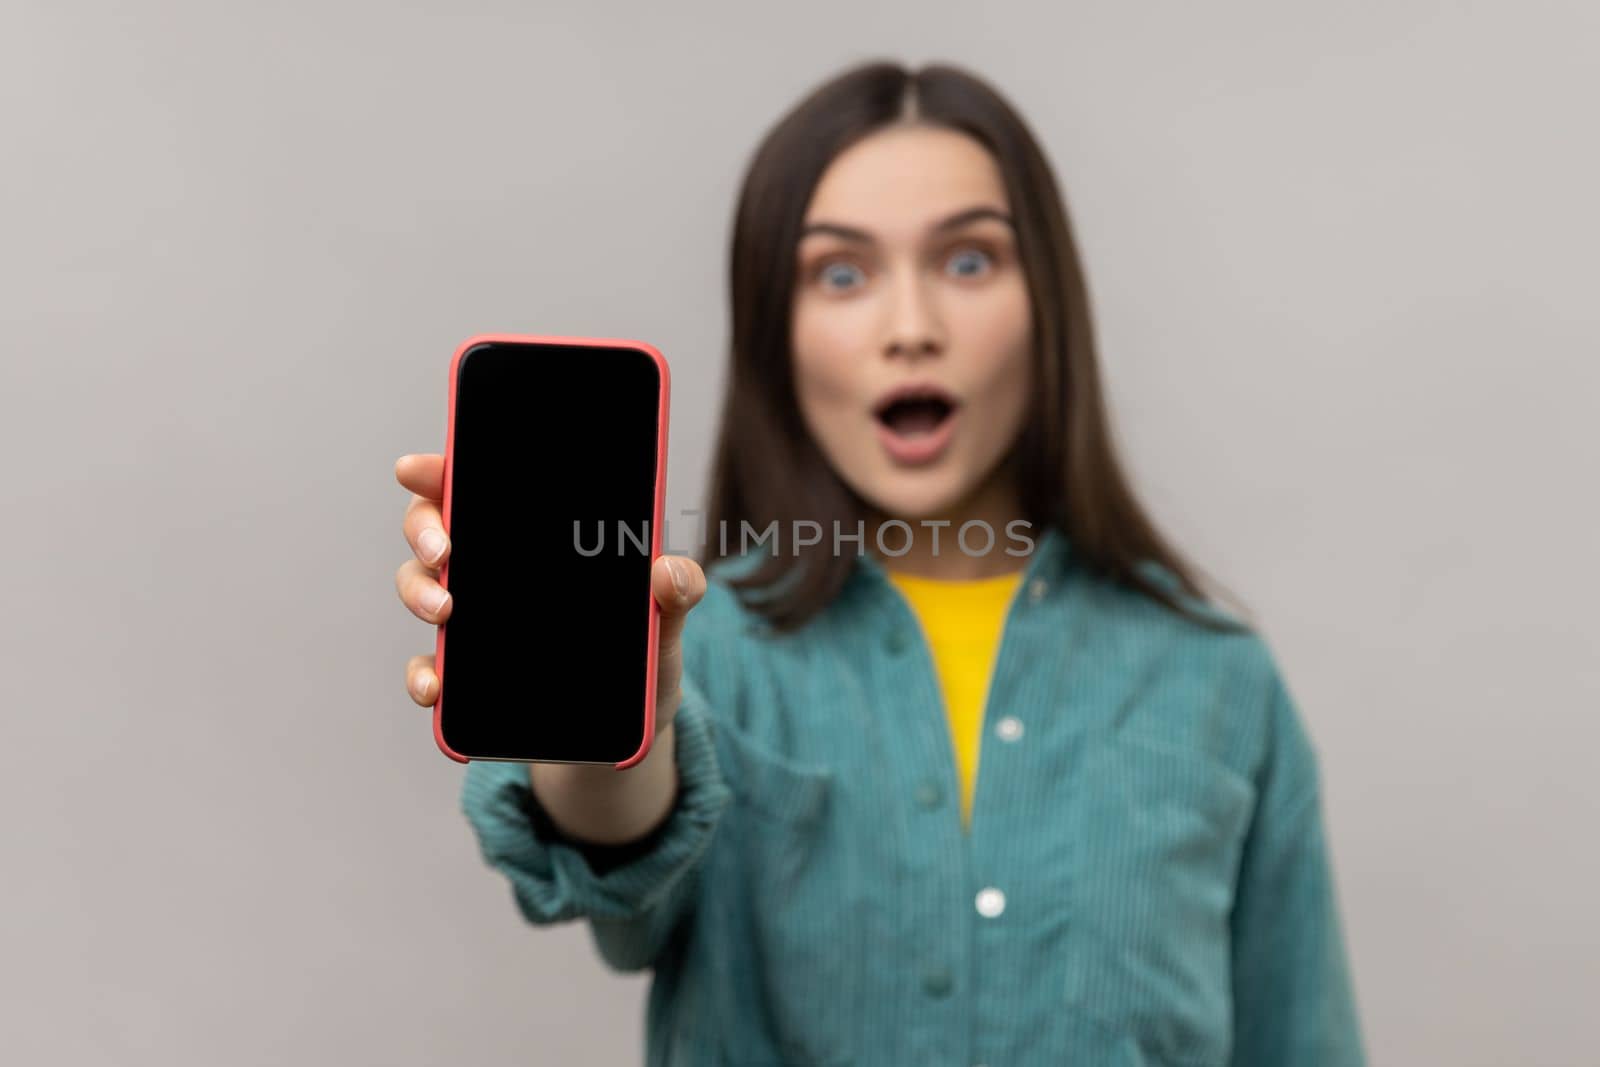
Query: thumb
[[677, 583]]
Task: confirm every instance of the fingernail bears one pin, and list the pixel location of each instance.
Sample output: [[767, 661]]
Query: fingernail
[[680, 581], [433, 600], [432, 543], [421, 686]]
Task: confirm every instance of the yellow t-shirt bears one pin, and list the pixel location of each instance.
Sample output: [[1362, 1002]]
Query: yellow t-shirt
[[962, 619]]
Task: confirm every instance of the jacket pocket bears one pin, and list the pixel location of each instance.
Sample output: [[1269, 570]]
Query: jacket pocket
[[785, 899], [1148, 950]]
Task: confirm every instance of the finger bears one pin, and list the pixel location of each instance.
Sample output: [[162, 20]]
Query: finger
[[421, 681], [422, 593], [422, 473], [424, 530], [675, 601]]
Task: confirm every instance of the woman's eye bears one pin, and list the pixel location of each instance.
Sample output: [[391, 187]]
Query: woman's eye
[[838, 275], [969, 263]]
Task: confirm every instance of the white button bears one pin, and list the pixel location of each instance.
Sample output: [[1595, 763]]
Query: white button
[[1009, 728], [1036, 589], [991, 902]]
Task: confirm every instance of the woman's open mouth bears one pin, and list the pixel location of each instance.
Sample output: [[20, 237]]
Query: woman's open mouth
[[916, 422]]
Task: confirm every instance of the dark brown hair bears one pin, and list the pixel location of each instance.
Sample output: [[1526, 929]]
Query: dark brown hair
[[767, 467]]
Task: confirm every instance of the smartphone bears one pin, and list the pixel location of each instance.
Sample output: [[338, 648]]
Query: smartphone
[[554, 478]]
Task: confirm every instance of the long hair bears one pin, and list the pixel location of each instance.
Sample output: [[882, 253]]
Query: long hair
[[768, 469]]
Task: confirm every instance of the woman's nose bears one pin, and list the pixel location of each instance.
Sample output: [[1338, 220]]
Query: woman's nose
[[914, 326]]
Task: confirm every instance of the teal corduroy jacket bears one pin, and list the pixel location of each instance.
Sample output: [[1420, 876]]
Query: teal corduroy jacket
[[1146, 879]]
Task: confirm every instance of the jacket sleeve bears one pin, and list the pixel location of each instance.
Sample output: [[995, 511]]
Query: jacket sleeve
[[634, 895], [1293, 1001]]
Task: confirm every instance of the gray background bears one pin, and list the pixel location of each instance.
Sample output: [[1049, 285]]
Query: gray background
[[1343, 257]]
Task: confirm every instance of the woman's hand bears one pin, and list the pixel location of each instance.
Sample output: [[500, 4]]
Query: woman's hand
[[676, 581]]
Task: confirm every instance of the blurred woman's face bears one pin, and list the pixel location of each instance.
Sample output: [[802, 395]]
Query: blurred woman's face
[[912, 326]]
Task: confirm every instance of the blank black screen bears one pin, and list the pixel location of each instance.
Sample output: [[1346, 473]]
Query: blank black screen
[[545, 650]]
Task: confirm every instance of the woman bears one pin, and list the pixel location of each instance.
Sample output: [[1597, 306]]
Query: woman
[[809, 860]]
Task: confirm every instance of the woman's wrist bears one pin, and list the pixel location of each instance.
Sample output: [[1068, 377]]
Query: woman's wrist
[[601, 805]]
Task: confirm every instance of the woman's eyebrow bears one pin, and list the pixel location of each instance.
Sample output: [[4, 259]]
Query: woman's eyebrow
[[960, 218]]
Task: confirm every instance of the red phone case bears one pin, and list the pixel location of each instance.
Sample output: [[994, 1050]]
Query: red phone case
[[655, 520]]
